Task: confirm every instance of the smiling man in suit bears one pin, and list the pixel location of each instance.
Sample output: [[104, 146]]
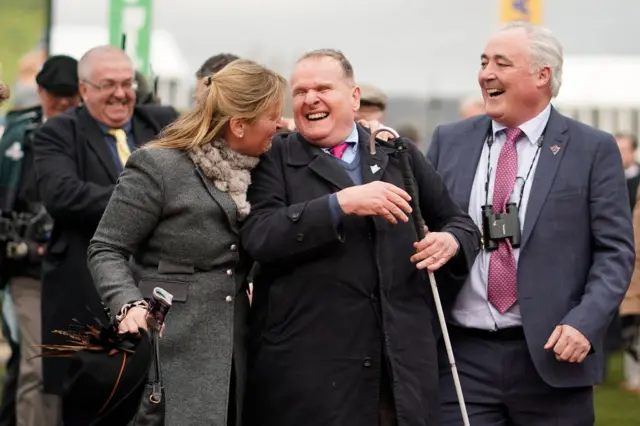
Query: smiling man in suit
[[342, 332], [78, 158], [528, 325]]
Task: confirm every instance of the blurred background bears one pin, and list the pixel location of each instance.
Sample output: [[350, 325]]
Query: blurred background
[[421, 56]]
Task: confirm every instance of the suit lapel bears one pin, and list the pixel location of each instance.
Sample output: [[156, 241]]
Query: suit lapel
[[143, 132], [303, 153], [98, 144], [372, 166], [223, 199], [469, 156], [556, 139]]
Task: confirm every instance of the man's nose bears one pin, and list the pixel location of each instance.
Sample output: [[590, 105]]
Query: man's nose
[[488, 72], [311, 97], [119, 92]]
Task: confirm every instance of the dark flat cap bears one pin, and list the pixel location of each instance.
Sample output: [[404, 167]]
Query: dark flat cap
[[59, 75]]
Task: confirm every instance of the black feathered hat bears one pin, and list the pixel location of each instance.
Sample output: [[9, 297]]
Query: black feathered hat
[[107, 375]]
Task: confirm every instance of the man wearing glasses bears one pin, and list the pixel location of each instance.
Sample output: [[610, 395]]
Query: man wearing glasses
[[78, 158]]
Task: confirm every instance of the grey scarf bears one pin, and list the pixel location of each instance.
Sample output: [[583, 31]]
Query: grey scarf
[[228, 170]]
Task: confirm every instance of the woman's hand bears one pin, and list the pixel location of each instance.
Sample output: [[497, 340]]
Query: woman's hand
[[135, 320]]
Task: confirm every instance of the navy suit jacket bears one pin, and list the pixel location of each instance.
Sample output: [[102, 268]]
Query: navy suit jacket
[[577, 253]]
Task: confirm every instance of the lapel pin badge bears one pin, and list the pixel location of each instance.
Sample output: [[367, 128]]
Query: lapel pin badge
[[555, 149], [375, 168]]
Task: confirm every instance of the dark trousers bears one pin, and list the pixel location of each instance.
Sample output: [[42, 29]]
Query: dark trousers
[[9, 388], [501, 386]]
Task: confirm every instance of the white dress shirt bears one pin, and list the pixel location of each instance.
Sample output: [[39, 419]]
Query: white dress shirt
[[472, 308], [349, 154], [632, 171]]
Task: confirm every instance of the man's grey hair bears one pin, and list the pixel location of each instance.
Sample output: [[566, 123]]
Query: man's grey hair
[[85, 64], [545, 51], [346, 66]]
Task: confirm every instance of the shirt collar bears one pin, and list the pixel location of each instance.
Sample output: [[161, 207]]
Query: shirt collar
[[532, 128], [632, 171], [105, 129], [352, 139]]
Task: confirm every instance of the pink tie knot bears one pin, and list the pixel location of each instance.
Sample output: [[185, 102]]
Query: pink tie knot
[[339, 149], [513, 134]]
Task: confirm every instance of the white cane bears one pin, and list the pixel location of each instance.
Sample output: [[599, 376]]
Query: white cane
[[403, 154]]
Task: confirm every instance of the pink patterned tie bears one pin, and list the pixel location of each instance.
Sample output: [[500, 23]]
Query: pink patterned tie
[[502, 286], [339, 149]]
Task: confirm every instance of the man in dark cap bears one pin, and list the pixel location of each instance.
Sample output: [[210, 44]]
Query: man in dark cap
[[22, 250], [58, 85]]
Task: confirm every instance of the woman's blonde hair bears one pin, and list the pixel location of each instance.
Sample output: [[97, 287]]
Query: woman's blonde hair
[[4, 92], [242, 89]]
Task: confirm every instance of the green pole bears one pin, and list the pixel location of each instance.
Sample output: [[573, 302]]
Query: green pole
[[132, 18]]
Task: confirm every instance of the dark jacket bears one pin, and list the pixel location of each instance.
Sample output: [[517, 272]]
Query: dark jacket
[[76, 176], [19, 194], [632, 187], [328, 305], [12, 153]]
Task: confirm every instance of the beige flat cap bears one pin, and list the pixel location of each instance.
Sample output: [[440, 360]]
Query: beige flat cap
[[371, 95]]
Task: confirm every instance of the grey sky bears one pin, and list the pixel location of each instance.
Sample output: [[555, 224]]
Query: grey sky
[[407, 47]]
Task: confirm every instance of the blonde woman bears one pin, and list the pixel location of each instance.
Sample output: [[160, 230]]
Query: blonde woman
[[176, 210]]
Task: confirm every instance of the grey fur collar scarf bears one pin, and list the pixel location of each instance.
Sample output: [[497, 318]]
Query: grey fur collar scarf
[[228, 170]]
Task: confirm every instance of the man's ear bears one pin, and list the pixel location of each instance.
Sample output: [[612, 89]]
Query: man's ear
[[544, 76], [355, 95], [82, 89]]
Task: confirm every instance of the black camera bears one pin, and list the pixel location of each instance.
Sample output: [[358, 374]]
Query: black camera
[[497, 227], [22, 234]]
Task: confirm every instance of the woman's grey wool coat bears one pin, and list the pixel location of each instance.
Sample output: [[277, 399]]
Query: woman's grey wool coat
[[181, 233]]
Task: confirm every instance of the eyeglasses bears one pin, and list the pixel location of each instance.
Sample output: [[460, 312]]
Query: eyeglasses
[[111, 86]]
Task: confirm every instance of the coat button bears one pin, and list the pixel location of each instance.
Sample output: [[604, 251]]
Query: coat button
[[233, 247], [300, 237], [367, 362], [229, 272], [228, 299]]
